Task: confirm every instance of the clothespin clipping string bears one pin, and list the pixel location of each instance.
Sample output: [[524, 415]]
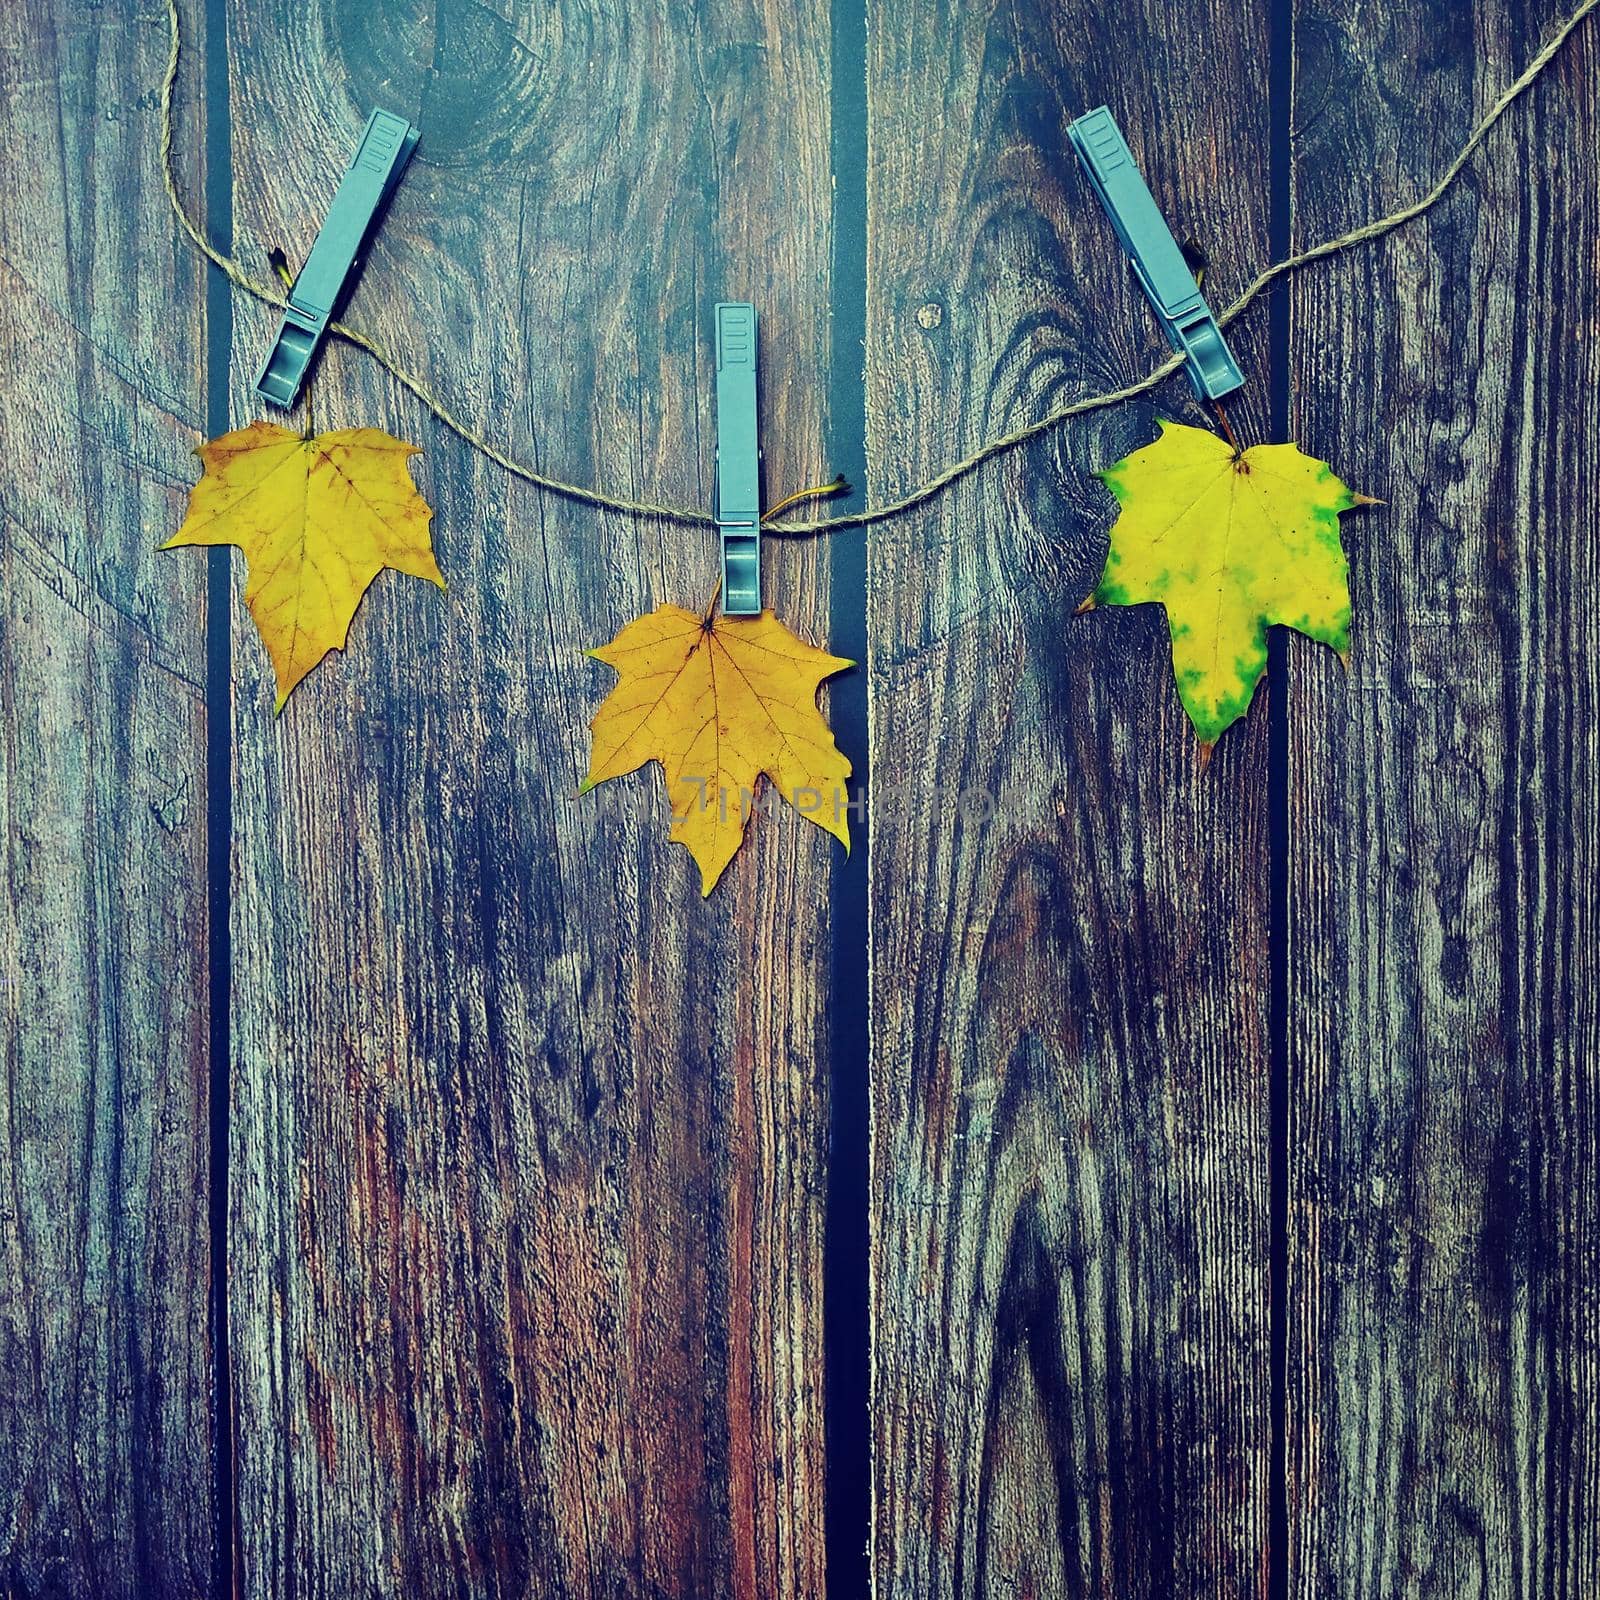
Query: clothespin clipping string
[[941, 481]]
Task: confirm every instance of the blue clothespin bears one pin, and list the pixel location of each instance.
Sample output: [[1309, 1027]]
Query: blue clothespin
[[738, 460], [369, 180], [1163, 273]]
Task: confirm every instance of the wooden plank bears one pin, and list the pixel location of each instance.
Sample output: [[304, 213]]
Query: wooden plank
[[1446, 824], [1070, 1048], [527, 1139], [104, 1380]]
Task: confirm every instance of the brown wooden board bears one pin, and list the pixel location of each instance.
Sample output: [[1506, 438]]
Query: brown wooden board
[[1070, 1050], [105, 1472], [527, 1139], [1444, 1028], [528, 1143]]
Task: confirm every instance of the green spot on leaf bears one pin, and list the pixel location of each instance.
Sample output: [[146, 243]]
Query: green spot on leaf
[[1227, 546]]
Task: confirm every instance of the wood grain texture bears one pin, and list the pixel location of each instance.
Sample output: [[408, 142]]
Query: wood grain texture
[[104, 1383], [1446, 824], [1070, 1050], [527, 1139]]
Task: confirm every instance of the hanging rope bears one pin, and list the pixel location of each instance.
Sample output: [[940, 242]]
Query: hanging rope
[[936, 485]]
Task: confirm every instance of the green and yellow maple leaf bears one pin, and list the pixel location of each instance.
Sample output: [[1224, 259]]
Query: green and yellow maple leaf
[[318, 519], [1228, 542], [718, 701]]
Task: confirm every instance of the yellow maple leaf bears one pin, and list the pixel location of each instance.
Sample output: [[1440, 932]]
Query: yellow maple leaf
[[1228, 542], [318, 519], [718, 701]]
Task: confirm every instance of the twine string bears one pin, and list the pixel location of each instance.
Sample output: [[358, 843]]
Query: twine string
[[587, 495]]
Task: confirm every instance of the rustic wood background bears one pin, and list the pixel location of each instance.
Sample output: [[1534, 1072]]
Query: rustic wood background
[[410, 1188]]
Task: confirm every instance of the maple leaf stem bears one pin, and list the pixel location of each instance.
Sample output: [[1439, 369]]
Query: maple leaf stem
[[711, 604], [1227, 432], [817, 491]]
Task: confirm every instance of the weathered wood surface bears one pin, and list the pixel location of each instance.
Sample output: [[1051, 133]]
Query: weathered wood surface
[[1070, 1142], [1446, 824], [104, 1391], [528, 1140], [528, 1144]]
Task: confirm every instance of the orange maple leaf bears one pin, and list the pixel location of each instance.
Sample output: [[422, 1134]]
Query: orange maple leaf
[[318, 519], [718, 701]]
